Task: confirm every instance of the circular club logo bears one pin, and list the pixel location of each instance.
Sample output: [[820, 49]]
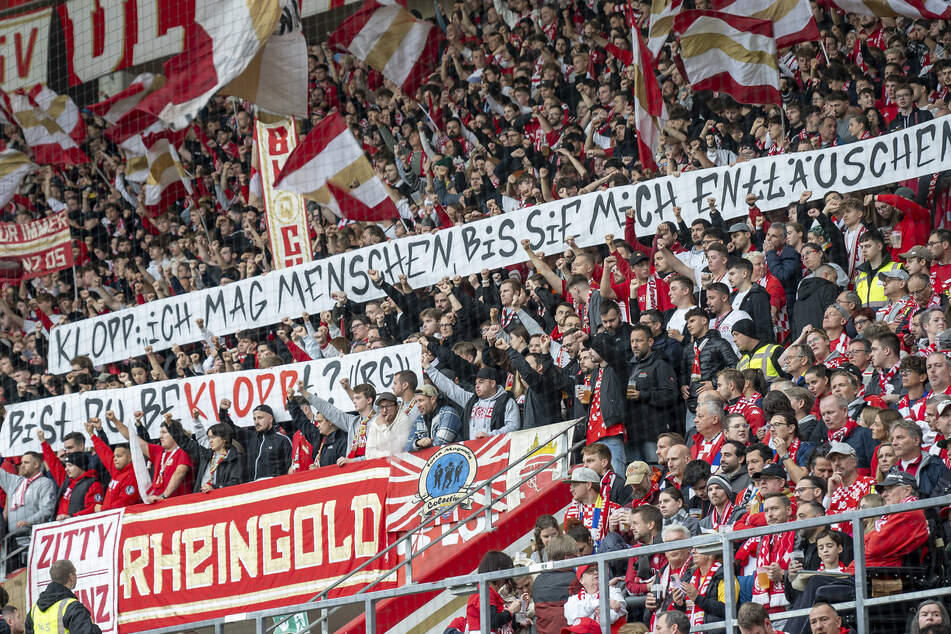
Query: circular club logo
[[447, 477]]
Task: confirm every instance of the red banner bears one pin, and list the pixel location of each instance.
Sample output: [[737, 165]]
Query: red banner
[[39, 248], [255, 546], [425, 482]]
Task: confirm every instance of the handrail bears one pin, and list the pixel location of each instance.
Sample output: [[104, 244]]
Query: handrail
[[726, 539], [476, 488]]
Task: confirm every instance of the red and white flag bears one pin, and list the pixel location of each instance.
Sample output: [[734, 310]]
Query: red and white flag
[[429, 481], [122, 103], [661, 24], [219, 45], [276, 79], [329, 166], [391, 40], [50, 143], [919, 9], [14, 167], [731, 54], [37, 248], [649, 108], [62, 109], [792, 20], [167, 180]]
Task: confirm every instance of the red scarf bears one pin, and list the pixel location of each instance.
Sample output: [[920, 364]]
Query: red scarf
[[717, 520], [702, 584], [773, 549], [839, 435], [359, 446], [884, 380], [19, 496]]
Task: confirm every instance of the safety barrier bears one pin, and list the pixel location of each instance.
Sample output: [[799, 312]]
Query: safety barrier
[[724, 540]]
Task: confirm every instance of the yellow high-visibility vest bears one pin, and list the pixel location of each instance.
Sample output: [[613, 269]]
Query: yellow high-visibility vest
[[761, 359], [51, 621]]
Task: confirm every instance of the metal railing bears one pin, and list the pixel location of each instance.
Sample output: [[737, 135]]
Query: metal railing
[[861, 603], [484, 486]]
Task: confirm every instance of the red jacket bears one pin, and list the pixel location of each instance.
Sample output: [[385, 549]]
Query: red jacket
[[122, 490], [914, 225], [895, 536], [58, 471]]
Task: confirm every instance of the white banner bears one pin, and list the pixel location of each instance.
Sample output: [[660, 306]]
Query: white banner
[[61, 415], [495, 242], [286, 211], [92, 544]]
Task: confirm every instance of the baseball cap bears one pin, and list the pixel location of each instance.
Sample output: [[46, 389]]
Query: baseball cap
[[583, 474], [740, 226], [894, 274], [917, 251], [386, 396], [942, 407], [637, 258], [772, 470], [842, 449], [895, 478], [428, 390], [487, 373], [636, 472]]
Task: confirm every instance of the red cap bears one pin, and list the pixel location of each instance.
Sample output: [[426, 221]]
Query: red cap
[[583, 626], [582, 569]]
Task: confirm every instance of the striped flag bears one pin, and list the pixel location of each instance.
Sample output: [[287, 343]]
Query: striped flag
[[731, 54], [919, 9], [662, 23], [391, 40], [792, 19], [219, 45], [14, 167], [329, 166], [648, 102], [122, 103], [60, 108], [51, 145], [276, 79], [167, 180]]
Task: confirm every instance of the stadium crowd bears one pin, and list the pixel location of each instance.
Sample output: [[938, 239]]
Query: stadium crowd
[[729, 373]]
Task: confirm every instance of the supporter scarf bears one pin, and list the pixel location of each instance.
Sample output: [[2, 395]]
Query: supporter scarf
[[852, 237], [359, 446], [880, 522], [650, 295], [773, 549], [719, 320], [793, 449], [884, 380], [702, 584], [654, 490], [168, 457], [697, 348], [840, 434], [506, 316], [215, 461], [718, 519], [19, 496]]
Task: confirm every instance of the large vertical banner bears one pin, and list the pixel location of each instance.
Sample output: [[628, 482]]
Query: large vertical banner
[[24, 49], [92, 544], [286, 211]]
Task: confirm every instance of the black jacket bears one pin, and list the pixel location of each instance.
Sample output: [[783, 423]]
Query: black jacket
[[756, 305], [543, 399], [76, 619], [326, 449], [229, 472], [615, 348], [652, 413], [613, 404], [268, 453], [814, 295], [716, 353]]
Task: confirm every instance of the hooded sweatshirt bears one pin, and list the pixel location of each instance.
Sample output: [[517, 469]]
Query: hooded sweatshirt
[[123, 489], [479, 419], [76, 619]]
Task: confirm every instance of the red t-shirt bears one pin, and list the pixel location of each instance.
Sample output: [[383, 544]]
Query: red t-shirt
[[164, 464]]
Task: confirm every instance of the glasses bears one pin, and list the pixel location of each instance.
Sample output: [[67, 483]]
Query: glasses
[[776, 425]]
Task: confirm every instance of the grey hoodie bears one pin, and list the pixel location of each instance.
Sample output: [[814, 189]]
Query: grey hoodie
[[39, 503], [481, 418]]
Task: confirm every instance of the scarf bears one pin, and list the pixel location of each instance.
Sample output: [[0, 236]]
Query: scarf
[[884, 380], [215, 461], [840, 434], [773, 549], [702, 583], [793, 449], [19, 496], [359, 445], [697, 349], [718, 519], [168, 457], [852, 237]]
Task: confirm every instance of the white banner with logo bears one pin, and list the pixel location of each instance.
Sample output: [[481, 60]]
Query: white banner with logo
[[495, 242], [286, 211], [91, 543], [60, 415]]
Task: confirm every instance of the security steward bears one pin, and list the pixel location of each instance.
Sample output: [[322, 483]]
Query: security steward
[[757, 355], [58, 611]]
